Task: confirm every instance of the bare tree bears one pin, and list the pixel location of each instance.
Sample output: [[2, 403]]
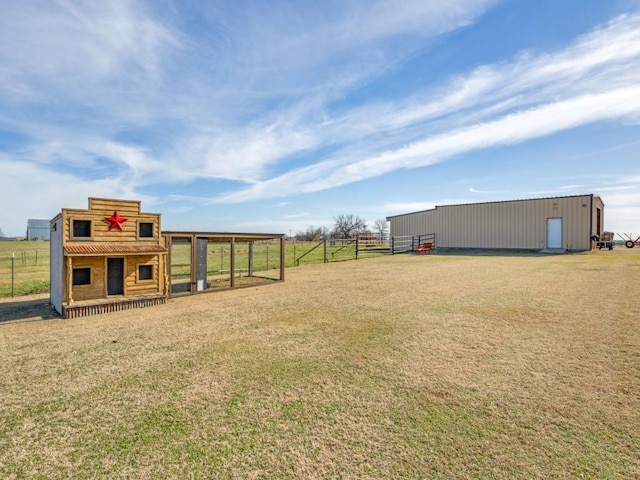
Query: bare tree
[[1, 233], [313, 234], [381, 229], [348, 225]]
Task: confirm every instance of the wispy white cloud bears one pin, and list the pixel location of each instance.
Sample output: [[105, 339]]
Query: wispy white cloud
[[603, 151], [296, 65], [474, 190], [29, 184], [591, 80], [397, 208], [510, 129], [180, 209], [82, 57], [595, 62], [322, 48], [253, 94], [573, 187], [232, 97]]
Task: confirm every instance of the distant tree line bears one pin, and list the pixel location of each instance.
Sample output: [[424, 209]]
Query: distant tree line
[[345, 226], [313, 234]]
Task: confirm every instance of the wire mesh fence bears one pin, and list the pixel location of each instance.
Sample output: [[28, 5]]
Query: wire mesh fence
[[24, 267]]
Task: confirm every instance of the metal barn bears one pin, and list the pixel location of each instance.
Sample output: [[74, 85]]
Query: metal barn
[[38, 230], [553, 223]]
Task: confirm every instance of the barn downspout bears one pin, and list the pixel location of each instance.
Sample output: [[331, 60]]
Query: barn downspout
[[283, 246], [590, 221]]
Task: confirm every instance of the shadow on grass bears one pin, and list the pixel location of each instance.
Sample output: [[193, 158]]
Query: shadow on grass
[[31, 309], [482, 252]]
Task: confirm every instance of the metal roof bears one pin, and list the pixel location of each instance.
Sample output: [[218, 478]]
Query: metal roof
[[224, 236], [37, 223], [489, 202]]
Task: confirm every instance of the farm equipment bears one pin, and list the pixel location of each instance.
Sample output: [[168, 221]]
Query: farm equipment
[[426, 247], [606, 241], [629, 242]]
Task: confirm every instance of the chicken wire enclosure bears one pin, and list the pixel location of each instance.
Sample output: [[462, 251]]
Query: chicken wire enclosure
[[254, 263], [179, 265], [216, 261]]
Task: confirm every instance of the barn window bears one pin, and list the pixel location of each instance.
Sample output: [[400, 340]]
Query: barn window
[[82, 228], [82, 276], [145, 229], [145, 272]]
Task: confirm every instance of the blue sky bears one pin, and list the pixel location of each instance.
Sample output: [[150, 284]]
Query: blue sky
[[273, 116]]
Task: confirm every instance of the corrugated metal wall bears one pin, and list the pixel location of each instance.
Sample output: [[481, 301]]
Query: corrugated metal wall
[[597, 205], [517, 224], [38, 229]]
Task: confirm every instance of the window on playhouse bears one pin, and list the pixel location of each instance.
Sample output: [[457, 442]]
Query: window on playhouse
[[81, 229], [145, 272], [82, 276], [145, 229]]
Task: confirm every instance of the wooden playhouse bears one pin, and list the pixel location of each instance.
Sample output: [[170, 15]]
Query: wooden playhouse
[[109, 257], [114, 257]]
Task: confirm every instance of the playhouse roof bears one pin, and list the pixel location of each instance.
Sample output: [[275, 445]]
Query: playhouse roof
[[119, 249]]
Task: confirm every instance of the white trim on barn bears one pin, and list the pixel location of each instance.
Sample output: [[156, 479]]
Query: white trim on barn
[[511, 224]]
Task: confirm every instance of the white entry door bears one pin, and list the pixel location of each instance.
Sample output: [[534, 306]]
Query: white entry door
[[554, 232]]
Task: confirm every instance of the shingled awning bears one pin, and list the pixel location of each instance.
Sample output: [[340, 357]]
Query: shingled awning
[[112, 249]]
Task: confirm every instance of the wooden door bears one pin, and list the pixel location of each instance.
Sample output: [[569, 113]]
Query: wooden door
[[201, 264], [115, 276]]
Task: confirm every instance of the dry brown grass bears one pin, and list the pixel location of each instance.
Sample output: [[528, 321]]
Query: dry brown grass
[[395, 367]]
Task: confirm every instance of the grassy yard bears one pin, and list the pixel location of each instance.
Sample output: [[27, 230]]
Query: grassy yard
[[30, 267], [466, 366]]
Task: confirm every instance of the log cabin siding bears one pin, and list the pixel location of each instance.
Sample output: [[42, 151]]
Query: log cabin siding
[[98, 287], [94, 251], [99, 209], [133, 285]]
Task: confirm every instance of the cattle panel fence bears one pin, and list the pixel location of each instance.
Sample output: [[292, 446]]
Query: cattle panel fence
[[410, 243]]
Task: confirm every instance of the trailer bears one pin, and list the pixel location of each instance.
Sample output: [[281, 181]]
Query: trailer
[[604, 242], [628, 240]]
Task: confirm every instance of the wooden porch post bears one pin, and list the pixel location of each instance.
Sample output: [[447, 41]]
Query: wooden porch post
[[69, 279], [283, 246], [232, 262]]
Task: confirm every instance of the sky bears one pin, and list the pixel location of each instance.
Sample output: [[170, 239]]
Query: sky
[[271, 117]]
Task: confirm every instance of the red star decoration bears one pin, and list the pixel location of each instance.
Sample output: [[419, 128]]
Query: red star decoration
[[115, 221]]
